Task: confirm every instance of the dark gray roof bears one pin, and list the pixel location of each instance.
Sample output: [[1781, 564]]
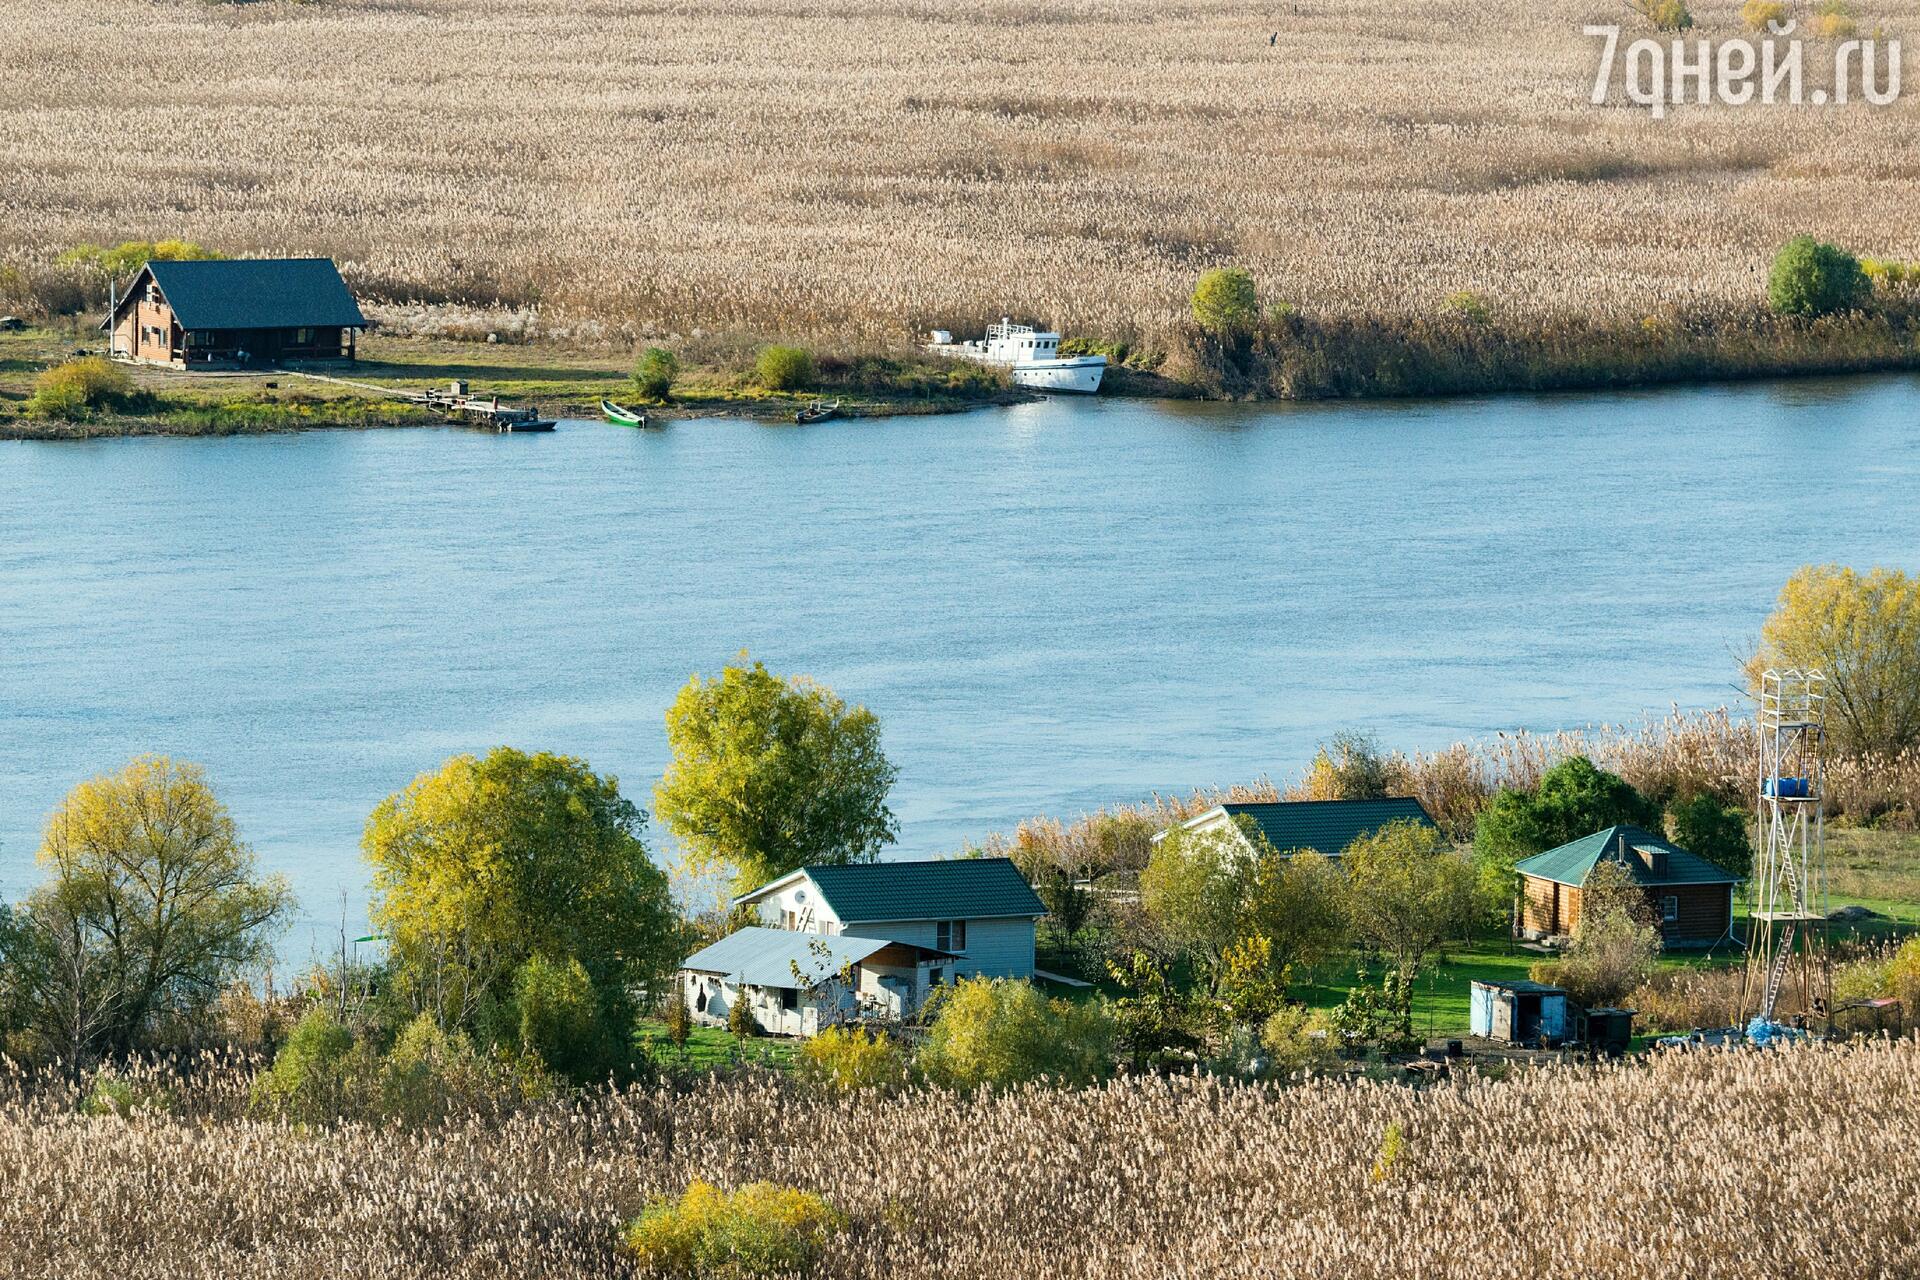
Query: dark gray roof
[[1573, 862], [257, 293], [940, 889], [1325, 826]]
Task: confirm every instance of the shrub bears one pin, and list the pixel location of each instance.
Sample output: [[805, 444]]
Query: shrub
[[678, 1017], [784, 368], [849, 1058], [129, 256], [1665, 15], [108, 1095], [1225, 302], [653, 375], [1833, 20], [759, 1230], [559, 1019], [1351, 766], [430, 1073], [1758, 15], [1296, 1041], [1469, 306], [740, 1019], [1000, 1031], [1813, 278], [312, 1074], [1889, 275], [71, 390]]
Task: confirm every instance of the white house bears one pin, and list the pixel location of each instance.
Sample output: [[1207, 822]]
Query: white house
[[892, 931], [1300, 826]]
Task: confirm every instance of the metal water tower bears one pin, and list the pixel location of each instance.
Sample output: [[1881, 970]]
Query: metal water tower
[[1787, 952]]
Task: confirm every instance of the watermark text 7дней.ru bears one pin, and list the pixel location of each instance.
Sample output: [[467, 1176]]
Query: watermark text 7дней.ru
[[1658, 74]]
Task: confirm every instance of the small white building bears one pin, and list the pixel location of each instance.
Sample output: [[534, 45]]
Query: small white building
[[882, 935]]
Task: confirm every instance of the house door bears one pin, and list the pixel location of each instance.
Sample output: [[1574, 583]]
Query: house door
[[1503, 1017]]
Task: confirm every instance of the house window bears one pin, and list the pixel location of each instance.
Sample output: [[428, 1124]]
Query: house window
[[1669, 909], [302, 337], [950, 935], [789, 998], [936, 977]]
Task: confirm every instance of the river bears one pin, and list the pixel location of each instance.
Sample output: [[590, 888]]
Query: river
[[1051, 607]]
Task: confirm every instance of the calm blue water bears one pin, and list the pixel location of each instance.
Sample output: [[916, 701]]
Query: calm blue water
[[1051, 607]]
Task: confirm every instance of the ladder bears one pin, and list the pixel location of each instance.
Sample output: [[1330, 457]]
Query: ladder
[[1777, 972]]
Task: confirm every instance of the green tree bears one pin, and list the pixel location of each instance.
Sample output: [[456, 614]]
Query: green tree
[[1408, 893], [772, 774], [1862, 631], [154, 906], [314, 1072], [483, 864], [1193, 889], [1225, 302], [1000, 1031], [1702, 824], [784, 368], [654, 373], [1156, 1022], [1813, 278], [678, 1017], [740, 1019], [1575, 798], [560, 1020]]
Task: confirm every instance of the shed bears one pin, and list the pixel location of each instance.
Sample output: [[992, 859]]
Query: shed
[[1518, 1012], [1690, 898], [795, 983], [241, 311]]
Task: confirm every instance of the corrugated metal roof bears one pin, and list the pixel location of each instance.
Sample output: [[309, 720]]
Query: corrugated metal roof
[[257, 293], [763, 957], [939, 889], [1574, 861], [1326, 826]]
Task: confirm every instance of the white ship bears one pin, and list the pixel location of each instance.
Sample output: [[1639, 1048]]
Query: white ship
[[1033, 359]]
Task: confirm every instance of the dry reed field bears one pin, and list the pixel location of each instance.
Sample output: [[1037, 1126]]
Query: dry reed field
[[1626, 1171], [865, 168]]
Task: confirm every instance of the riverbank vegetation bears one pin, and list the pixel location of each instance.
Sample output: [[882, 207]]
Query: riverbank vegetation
[[748, 1175], [1368, 166]]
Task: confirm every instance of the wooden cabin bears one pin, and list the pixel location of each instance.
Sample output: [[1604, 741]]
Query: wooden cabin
[[1689, 898], [234, 313]]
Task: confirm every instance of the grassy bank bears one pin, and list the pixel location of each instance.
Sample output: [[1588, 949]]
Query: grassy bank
[[716, 379]]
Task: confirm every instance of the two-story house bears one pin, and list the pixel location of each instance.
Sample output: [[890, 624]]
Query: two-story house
[[870, 939]]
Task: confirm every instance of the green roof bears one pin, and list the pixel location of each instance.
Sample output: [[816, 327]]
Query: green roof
[[257, 293], [1326, 826], [940, 889], [1574, 861]]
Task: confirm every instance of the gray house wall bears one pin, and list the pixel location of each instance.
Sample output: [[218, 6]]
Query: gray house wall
[[996, 948]]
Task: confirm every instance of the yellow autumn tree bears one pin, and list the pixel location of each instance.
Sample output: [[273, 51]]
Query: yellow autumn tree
[[1863, 632]]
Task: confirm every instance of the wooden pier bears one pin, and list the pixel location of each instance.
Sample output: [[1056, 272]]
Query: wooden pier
[[484, 412]]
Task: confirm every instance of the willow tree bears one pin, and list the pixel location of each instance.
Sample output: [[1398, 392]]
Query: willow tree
[[770, 774], [491, 872], [153, 906], [1863, 632]]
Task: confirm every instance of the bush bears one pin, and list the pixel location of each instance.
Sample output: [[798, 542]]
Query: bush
[[430, 1074], [71, 390], [1001, 1031], [678, 1018], [311, 1076], [654, 374], [559, 1019], [1833, 20], [740, 1019], [1296, 1041], [1614, 946], [760, 1230], [1813, 278], [1351, 766], [1469, 306], [784, 368], [1225, 302], [1758, 15], [849, 1058], [129, 256], [1665, 15]]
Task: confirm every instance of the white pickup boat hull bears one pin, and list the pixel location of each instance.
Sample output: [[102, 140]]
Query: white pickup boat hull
[[1079, 374]]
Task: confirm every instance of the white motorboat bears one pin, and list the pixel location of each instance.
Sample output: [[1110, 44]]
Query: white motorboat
[[1032, 358]]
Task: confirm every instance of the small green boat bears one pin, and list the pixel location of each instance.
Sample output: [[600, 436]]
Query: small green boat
[[622, 416]]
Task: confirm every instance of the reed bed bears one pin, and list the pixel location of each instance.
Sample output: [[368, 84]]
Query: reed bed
[[867, 168], [1636, 1170]]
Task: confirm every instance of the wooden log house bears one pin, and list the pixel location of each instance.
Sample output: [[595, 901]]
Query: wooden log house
[[234, 313], [1688, 898]]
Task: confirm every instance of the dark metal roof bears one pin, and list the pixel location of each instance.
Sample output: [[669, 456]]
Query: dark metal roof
[[1521, 986], [942, 889], [1325, 826], [256, 293], [1573, 862]]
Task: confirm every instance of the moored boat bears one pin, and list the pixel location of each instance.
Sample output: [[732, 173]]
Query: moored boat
[[622, 416], [818, 411], [1031, 357]]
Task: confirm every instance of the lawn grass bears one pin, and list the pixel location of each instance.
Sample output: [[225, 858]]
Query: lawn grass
[[710, 1048]]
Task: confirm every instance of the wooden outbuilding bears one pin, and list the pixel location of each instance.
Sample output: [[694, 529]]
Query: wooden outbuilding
[[234, 313], [1688, 898]]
